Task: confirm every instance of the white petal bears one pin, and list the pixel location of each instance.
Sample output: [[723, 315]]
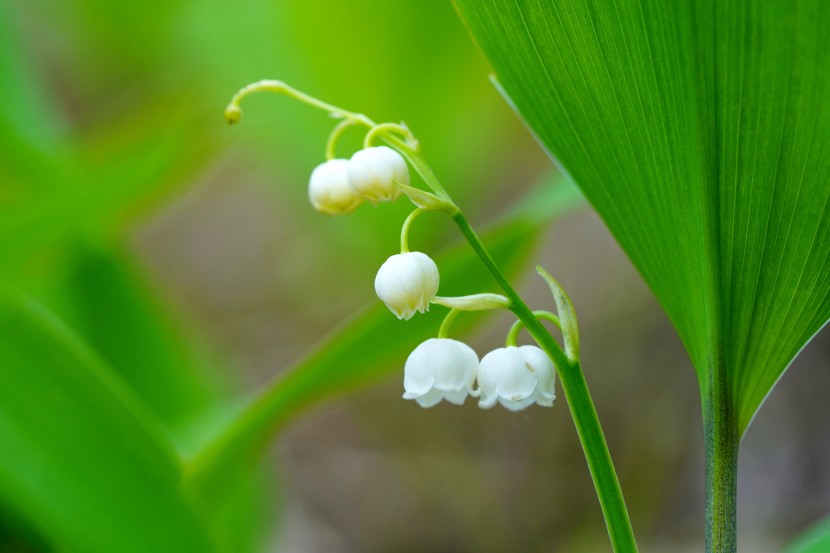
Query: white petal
[[544, 368], [439, 367], [516, 378], [418, 373], [456, 397], [506, 371], [375, 173], [430, 399], [488, 376], [407, 282], [452, 364], [544, 399], [488, 402], [516, 405], [329, 190]]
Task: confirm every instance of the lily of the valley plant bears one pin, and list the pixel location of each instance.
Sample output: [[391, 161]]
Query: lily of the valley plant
[[443, 368]]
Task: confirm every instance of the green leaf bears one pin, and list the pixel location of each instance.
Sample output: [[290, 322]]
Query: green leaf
[[92, 202], [700, 131], [84, 462], [815, 540], [120, 316]]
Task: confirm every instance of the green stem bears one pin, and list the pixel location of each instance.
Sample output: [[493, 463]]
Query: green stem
[[233, 112], [721, 443], [414, 156], [444, 331], [331, 143], [387, 128], [405, 228], [579, 401], [513, 333]]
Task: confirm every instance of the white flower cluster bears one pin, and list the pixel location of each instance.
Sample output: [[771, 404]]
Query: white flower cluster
[[442, 368], [338, 186]]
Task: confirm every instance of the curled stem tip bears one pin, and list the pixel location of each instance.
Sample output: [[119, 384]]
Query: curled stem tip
[[233, 113]]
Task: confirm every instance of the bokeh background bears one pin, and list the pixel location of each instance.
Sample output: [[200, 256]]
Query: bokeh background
[[111, 131]]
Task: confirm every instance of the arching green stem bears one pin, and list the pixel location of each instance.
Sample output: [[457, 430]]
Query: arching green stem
[[233, 113], [331, 143], [513, 333], [405, 228], [390, 129], [444, 331]]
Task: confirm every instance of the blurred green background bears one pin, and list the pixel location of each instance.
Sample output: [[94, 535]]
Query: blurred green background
[[119, 179]]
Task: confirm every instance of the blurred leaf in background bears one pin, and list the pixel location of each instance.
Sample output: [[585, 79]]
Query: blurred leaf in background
[[83, 460], [815, 540]]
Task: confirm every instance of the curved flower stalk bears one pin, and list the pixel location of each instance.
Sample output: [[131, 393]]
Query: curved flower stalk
[[442, 368]]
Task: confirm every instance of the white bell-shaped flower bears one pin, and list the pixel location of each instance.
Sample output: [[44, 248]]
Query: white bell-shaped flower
[[516, 377], [407, 282], [440, 368], [376, 172], [329, 189]]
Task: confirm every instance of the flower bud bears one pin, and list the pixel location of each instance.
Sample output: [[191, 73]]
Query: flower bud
[[329, 189], [440, 368], [376, 172], [516, 377], [407, 282]]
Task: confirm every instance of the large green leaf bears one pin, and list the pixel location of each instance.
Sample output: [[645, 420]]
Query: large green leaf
[[700, 131], [83, 461]]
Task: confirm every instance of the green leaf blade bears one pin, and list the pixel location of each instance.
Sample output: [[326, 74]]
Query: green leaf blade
[[83, 462], [700, 132]]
